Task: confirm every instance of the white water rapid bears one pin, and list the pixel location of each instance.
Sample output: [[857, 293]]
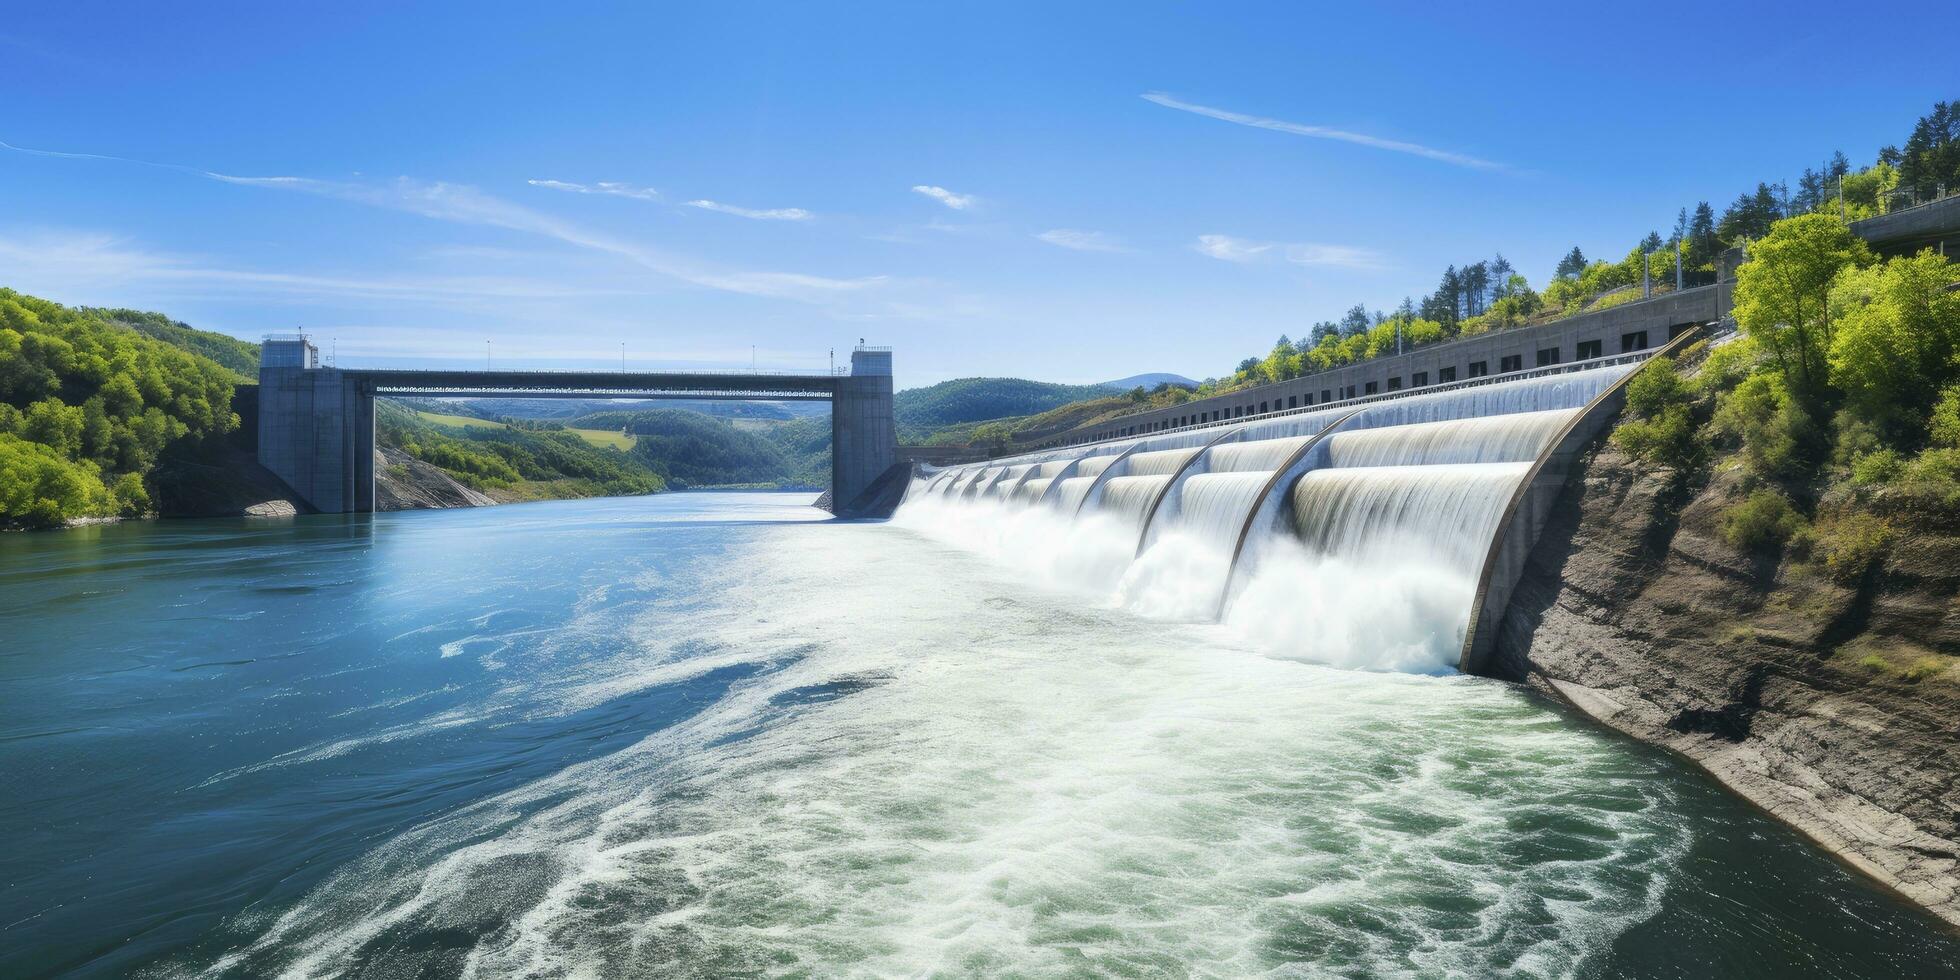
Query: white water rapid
[[1350, 535]]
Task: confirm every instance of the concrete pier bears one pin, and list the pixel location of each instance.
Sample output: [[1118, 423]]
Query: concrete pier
[[316, 424]]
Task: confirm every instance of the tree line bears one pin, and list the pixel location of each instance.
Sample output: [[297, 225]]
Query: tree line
[[1490, 294]]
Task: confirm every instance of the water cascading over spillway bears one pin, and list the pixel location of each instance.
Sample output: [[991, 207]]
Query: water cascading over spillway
[[1350, 534]]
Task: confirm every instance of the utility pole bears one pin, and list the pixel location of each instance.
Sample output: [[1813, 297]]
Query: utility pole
[[1646, 277], [1679, 261]]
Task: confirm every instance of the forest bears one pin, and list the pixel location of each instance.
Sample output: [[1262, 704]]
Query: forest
[[88, 406]]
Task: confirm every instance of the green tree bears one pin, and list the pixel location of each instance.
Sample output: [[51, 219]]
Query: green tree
[[1572, 265], [1782, 296], [1932, 152], [1896, 342]]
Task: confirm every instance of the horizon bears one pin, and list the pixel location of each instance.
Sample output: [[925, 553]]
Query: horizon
[[398, 184]]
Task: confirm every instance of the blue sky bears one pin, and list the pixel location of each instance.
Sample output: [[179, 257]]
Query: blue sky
[[1070, 192]]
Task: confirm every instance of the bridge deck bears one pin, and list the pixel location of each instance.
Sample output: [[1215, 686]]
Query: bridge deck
[[599, 384]]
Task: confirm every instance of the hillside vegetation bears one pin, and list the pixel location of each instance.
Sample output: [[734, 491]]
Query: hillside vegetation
[[921, 411], [240, 357], [689, 449], [1828, 435], [87, 407], [512, 462]]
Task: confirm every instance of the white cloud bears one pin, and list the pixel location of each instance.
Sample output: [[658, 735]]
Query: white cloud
[[1340, 256], [1082, 241], [1232, 249], [603, 187], [765, 214], [1323, 132], [958, 202]]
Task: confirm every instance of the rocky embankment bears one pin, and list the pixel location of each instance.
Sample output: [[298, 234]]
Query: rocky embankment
[[1832, 706], [402, 482]]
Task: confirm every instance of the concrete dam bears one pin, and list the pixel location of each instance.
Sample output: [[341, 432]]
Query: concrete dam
[[1374, 531]]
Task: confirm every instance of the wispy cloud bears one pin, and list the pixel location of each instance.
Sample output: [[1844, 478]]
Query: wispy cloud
[[1082, 241], [1232, 249], [958, 202], [759, 214], [463, 204], [1326, 133], [177, 167], [603, 187], [90, 261]]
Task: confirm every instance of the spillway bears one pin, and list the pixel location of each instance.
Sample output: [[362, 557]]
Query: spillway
[[1322, 532]]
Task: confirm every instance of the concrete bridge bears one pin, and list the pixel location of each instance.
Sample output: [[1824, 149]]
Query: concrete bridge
[[316, 424]]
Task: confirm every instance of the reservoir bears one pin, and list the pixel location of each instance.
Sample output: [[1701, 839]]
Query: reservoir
[[721, 734]]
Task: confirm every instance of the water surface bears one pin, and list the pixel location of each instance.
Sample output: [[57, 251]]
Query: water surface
[[708, 735]]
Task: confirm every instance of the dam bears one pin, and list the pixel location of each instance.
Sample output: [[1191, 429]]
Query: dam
[[1304, 525]]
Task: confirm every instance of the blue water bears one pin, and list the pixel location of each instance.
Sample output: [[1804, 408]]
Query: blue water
[[718, 734]]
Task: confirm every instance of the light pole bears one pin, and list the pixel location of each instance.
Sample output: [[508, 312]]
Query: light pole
[[486, 355], [622, 357]]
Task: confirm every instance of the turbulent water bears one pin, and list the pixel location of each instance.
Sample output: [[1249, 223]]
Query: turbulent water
[[713, 735]]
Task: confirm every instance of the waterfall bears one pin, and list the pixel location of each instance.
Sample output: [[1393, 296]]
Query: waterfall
[[1443, 513], [1496, 439], [1161, 462], [1241, 457], [1365, 551], [1211, 507], [1071, 493], [1125, 498]]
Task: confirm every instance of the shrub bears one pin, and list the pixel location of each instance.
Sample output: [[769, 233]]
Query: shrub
[[1849, 544], [1660, 428], [1923, 669], [1668, 440], [1780, 441], [1875, 468], [1761, 522], [1944, 425], [1876, 664]]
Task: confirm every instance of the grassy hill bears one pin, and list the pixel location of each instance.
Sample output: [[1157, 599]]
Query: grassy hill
[[689, 449], [513, 462], [597, 437], [922, 411]]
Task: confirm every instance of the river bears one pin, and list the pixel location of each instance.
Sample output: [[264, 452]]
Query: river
[[719, 734]]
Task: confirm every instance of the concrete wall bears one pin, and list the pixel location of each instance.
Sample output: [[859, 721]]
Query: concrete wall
[[316, 432], [863, 434], [1640, 325], [1935, 225]]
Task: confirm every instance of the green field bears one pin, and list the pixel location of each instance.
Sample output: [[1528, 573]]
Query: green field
[[596, 437]]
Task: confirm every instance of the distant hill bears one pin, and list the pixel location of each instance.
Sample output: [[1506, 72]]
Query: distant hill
[[922, 411], [689, 449], [1148, 381]]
